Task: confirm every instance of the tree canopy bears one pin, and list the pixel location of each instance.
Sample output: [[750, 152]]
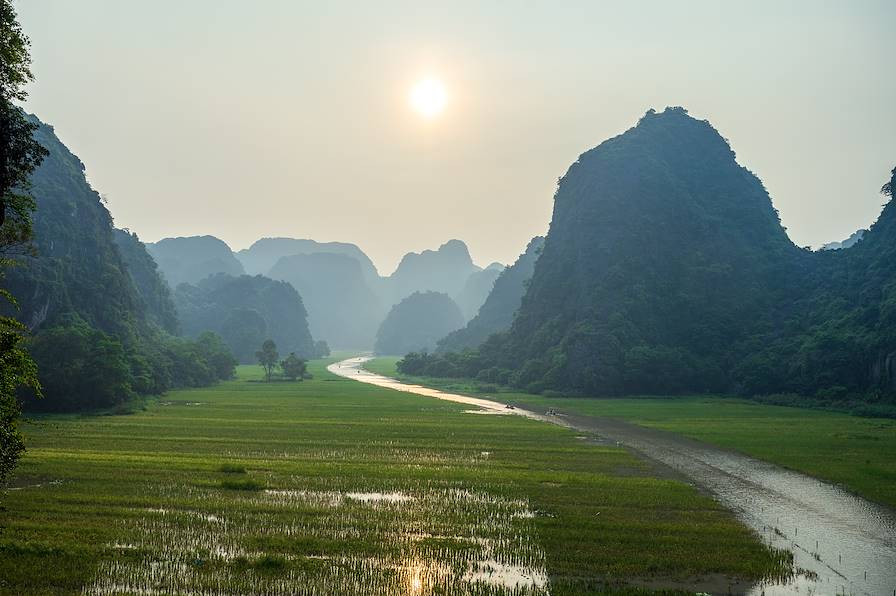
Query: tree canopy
[[246, 310], [267, 357], [99, 313], [293, 367], [20, 154]]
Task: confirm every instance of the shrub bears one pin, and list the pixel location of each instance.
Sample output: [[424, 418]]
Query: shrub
[[247, 484]]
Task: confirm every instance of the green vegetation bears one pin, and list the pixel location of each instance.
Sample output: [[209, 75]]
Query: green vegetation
[[82, 368], [267, 357], [417, 323], [246, 484], [152, 290], [293, 367], [856, 452], [245, 311], [660, 276], [17, 370], [99, 312], [21, 154], [340, 487], [497, 312]]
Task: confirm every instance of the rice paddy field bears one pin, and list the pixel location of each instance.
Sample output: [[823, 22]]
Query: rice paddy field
[[855, 452], [329, 486]]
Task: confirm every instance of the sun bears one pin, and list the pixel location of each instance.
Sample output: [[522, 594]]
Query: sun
[[428, 97]]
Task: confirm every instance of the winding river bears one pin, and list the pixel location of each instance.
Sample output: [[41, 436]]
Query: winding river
[[841, 543]]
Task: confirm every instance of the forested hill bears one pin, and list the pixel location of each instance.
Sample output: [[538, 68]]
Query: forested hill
[[245, 311], [844, 342], [152, 290], [99, 327], [497, 313], [666, 270], [663, 258], [78, 268]]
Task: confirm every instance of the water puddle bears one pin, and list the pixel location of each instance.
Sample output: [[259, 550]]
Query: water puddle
[[177, 402], [38, 485], [379, 497], [334, 498], [186, 512], [490, 412], [428, 540], [513, 577]]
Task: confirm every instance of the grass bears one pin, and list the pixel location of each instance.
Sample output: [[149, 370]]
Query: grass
[[331, 486], [247, 484], [858, 453]]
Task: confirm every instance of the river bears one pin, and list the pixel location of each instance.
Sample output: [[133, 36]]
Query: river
[[841, 543]]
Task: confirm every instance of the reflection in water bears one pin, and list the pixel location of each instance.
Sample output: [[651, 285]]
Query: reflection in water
[[435, 540], [841, 543], [380, 497], [514, 577], [415, 585]]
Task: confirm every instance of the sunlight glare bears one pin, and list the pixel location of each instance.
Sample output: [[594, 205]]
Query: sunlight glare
[[428, 97]]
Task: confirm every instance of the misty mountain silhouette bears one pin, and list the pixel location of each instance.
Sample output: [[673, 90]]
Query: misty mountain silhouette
[[193, 258], [416, 323]]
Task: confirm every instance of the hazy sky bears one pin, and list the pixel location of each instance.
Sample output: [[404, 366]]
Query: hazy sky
[[285, 118]]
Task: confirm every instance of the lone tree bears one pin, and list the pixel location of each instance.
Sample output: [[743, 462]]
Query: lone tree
[[268, 357], [20, 154], [294, 367]]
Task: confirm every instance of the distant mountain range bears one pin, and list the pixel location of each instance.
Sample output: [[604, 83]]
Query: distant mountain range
[[342, 307], [192, 259], [345, 296], [259, 258], [666, 270], [851, 241]]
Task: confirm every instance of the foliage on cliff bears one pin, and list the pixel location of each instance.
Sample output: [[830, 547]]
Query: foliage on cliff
[[666, 270]]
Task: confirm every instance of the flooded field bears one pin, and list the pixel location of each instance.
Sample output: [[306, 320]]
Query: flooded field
[[453, 539], [840, 543], [329, 486]]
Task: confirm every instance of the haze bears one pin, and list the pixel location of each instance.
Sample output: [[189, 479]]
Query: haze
[[291, 119]]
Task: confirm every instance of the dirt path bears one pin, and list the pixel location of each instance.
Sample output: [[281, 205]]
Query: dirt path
[[844, 544]]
